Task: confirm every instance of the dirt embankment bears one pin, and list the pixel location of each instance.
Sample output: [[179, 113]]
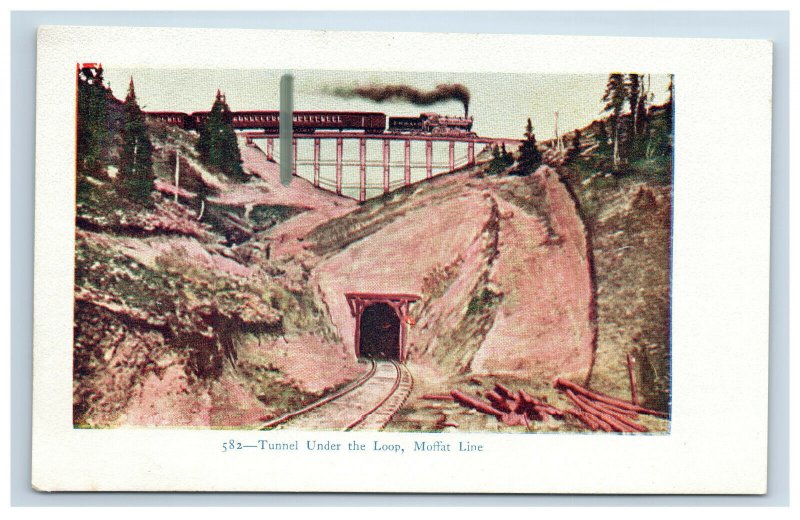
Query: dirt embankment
[[544, 323], [505, 287], [176, 326]]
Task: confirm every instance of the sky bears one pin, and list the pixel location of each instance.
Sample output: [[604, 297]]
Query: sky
[[500, 102]]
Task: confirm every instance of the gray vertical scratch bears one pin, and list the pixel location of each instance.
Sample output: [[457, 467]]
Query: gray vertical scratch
[[287, 86]]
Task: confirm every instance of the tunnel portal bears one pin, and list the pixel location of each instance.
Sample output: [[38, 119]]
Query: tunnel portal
[[381, 324]]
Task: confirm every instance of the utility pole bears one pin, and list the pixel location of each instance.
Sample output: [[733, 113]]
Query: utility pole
[[558, 144]]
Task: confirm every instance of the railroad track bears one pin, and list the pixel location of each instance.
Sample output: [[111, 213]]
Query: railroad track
[[367, 403]]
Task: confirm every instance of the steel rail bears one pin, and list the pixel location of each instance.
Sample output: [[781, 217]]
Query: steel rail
[[395, 386], [366, 376]]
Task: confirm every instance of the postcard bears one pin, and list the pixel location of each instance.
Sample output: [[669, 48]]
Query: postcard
[[315, 261]]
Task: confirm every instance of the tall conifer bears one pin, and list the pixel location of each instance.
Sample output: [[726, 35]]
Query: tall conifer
[[574, 150], [530, 158], [94, 134], [615, 96], [136, 156], [217, 144], [634, 89]]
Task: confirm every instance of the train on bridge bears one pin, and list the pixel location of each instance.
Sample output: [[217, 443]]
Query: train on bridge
[[309, 122]]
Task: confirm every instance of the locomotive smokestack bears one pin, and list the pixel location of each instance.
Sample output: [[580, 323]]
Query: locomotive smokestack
[[380, 93]]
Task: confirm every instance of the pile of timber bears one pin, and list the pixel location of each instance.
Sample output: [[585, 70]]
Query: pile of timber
[[602, 412], [595, 410], [512, 408]]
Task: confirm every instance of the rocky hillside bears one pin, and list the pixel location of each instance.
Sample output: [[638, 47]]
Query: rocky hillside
[[628, 213], [176, 302], [631, 230], [222, 304]]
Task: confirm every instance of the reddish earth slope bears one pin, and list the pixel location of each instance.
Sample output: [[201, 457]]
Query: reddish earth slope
[[505, 289], [544, 324]]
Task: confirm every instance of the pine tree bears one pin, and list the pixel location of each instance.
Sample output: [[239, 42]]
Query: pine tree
[[670, 113], [501, 160], [506, 155], [494, 164], [601, 137], [669, 104], [615, 96], [641, 116], [634, 88], [530, 158], [217, 143], [633, 144], [671, 90], [136, 156], [575, 149], [94, 134]]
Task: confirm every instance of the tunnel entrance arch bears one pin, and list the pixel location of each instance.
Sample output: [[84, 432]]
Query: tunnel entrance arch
[[382, 320]]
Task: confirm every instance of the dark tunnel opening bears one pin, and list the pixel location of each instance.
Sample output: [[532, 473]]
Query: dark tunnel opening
[[379, 332]]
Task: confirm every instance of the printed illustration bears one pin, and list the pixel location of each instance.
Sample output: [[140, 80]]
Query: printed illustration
[[455, 252]]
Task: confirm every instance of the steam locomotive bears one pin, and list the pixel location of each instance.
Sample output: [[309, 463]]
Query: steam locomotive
[[431, 123], [307, 122]]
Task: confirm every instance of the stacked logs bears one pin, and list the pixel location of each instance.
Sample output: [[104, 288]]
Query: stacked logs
[[511, 408], [595, 410], [602, 412]]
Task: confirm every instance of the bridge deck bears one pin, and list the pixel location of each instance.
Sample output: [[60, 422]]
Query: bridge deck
[[338, 185], [385, 136]]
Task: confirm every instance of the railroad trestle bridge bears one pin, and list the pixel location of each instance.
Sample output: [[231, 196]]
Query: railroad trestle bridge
[[375, 166]]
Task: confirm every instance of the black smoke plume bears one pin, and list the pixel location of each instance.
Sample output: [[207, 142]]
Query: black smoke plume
[[381, 93]]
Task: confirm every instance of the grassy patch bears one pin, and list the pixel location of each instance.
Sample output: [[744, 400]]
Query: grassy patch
[[629, 216], [269, 385], [266, 216]]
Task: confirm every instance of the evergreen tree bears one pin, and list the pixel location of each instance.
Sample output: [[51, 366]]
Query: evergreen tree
[[501, 160], [615, 96], [136, 156], [669, 105], [528, 129], [671, 90], [670, 113], [601, 136], [494, 164], [575, 149], [530, 158], [217, 144], [506, 155], [634, 88], [94, 134], [641, 116], [631, 144], [642, 140]]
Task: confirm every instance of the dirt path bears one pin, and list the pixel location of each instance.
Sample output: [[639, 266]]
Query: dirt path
[[367, 406]]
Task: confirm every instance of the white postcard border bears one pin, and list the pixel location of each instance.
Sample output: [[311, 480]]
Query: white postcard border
[[718, 436]]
